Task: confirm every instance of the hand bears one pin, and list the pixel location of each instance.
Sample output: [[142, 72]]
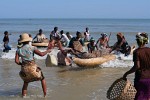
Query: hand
[[48, 50], [124, 77]]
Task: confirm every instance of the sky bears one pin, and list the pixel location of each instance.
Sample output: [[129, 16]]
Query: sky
[[75, 9]]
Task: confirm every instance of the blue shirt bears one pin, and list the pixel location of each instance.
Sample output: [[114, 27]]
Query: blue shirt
[[26, 52]]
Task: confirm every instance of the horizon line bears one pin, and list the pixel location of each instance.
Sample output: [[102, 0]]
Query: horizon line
[[69, 18]]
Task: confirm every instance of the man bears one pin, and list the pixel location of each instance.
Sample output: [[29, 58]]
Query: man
[[64, 39], [62, 57], [55, 34], [76, 43], [40, 36]]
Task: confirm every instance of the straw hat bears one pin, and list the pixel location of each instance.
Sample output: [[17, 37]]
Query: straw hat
[[25, 38]]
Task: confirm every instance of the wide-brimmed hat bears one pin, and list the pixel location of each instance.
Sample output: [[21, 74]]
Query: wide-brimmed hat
[[25, 38]]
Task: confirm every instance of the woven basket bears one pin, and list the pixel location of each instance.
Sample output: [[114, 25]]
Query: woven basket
[[121, 90], [77, 46], [29, 73]]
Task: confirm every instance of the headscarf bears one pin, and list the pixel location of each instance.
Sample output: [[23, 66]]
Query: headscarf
[[103, 34], [120, 35], [142, 38]]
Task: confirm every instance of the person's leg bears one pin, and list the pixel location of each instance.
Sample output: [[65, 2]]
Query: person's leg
[[43, 82], [24, 89]]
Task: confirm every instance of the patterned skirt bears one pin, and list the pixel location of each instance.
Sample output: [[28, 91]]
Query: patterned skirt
[[30, 72]]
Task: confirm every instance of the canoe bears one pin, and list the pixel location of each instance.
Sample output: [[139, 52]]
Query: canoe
[[40, 44], [93, 62], [85, 43], [44, 43]]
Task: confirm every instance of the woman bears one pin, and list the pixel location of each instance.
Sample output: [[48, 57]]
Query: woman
[[122, 45], [29, 70], [103, 41], [141, 59]]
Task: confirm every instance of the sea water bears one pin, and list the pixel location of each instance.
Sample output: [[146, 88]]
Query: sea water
[[65, 83]]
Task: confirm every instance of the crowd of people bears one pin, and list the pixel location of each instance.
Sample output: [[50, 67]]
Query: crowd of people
[[30, 72]]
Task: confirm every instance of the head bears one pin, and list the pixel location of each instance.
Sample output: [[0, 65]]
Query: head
[[6, 33], [30, 35], [104, 35], [40, 31], [55, 29], [92, 40], [79, 34], [86, 28], [25, 38], [142, 39], [67, 33], [65, 52], [61, 32], [120, 36]]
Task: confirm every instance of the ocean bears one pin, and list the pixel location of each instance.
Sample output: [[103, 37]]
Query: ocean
[[65, 83]]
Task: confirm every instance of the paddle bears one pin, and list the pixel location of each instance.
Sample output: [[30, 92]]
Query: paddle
[[108, 39]]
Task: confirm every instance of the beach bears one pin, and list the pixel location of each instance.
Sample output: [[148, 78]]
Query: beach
[[67, 83]]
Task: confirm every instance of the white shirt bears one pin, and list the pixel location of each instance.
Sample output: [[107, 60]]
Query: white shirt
[[64, 38]]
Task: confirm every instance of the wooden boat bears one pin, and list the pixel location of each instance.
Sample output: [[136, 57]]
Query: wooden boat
[[40, 44], [93, 62]]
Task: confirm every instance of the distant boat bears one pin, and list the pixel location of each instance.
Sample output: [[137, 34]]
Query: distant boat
[[41, 44]]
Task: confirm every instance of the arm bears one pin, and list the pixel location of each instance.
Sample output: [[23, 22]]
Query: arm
[[97, 42], [96, 47], [36, 51], [17, 59], [71, 43], [88, 48], [123, 40], [133, 69], [81, 41], [35, 37]]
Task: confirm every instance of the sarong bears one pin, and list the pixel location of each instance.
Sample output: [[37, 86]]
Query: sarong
[[143, 89]]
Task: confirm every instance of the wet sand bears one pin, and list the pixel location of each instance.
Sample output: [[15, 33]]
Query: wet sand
[[63, 83]]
